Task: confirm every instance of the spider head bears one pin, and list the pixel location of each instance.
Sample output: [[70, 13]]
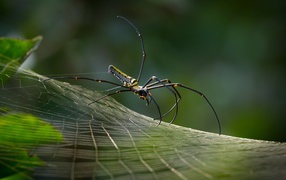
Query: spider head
[[142, 93]]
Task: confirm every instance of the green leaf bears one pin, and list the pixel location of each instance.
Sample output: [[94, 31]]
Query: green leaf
[[13, 52], [19, 134], [26, 129]]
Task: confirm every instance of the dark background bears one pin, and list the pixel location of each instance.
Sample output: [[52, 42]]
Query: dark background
[[233, 51]]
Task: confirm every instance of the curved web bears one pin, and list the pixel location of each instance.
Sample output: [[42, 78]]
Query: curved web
[[105, 140]]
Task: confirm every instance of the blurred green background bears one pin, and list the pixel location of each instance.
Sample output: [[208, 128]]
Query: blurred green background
[[233, 51]]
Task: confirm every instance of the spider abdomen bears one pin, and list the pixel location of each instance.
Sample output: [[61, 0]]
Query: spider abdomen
[[127, 81]]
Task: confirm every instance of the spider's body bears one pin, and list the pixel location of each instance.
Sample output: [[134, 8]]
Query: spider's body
[[129, 82]]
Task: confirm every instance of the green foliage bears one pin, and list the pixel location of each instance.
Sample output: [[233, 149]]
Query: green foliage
[[13, 52], [25, 129], [19, 134]]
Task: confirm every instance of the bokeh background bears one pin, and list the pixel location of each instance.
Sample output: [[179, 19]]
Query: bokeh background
[[233, 51]]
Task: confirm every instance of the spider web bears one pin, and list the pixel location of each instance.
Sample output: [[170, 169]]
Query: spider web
[[105, 140]]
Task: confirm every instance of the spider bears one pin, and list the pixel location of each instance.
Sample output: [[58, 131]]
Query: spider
[[130, 84]]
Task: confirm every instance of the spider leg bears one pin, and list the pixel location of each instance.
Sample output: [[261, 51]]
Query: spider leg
[[111, 89], [176, 104], [95, 80], [173, 91], [160, 114], [110, 94], [85, 78], [158, 82], [142, 45], [191, 89]]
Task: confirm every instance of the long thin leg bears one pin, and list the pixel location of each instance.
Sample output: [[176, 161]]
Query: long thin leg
[[142, 45], [160, 114], [177, 101], [156, 82], [110, 94], [191, 89], [85, 78], [112, 89], [175, 93]]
